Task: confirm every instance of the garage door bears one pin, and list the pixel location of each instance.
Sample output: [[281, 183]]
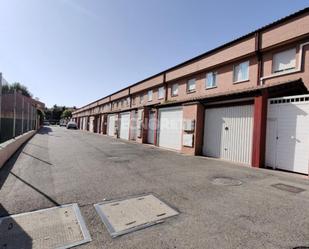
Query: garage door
[[228, 133], [170, 128], [111, 125], [124, 125], [91, 124], [151, 128], [85, 123], [287, 135]]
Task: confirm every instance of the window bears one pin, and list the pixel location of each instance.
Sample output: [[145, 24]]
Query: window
[[191, 85], [211, 80], [134, 100], [241, 71], [149, 95], [284, 61], [175, 89], [141, 99], [161, 92]]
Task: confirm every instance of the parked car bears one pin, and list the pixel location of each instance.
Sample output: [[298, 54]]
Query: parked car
[[46, 123], [72, 125], [63, 122]]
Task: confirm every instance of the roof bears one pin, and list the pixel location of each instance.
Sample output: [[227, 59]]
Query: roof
[[249, 89], [280, 21]]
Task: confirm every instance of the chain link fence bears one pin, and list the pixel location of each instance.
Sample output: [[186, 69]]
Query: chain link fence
[[18, 114]]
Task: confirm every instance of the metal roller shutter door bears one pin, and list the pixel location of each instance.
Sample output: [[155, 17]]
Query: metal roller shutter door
[[170, 128], [124, 125], [228, 133], [111, 125]]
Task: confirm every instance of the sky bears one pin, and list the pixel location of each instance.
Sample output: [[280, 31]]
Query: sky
[[72, 52]]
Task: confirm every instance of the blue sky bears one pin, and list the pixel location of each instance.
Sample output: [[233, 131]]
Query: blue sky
[[72, 52]]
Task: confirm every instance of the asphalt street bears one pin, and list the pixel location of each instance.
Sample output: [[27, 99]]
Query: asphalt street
[[59, 166]]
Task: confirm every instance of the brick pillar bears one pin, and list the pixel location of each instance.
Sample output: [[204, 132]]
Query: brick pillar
[[104, 124], [143, 137], [194, 111], [259, 130]]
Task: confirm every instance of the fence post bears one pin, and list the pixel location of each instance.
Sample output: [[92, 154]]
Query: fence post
[[22, 115], [28, 117], [14, 115], [0, 102]]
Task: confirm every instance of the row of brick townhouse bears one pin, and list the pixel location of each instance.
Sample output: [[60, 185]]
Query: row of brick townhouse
[[246, 101]]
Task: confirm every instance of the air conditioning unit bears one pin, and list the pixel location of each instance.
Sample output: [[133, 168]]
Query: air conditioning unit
[[189, 125]]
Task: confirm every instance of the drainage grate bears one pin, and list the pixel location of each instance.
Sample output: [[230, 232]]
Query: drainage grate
[[57, 227], [288, 188], [128, 215], [226, 181]]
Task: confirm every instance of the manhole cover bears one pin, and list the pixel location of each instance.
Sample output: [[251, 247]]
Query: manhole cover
[[57, 227], [128, 215], [288, 188], [226, 181]]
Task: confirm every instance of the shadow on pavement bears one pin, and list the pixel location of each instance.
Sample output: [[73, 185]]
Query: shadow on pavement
[[41, 160], [7, 167], [36, 189], [6, 170], [45, 130], [12, 234]]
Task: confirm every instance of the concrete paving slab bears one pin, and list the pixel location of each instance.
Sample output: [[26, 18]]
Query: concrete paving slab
[[58, 227], [128, 215]]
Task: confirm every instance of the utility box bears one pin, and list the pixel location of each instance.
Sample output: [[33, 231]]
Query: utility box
[[189, 125], [187, 140]]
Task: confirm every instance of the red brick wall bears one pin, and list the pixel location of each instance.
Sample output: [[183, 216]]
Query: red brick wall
[[194, 111]]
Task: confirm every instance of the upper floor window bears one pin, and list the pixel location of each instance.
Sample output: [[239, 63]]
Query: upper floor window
[[175, 89], [241, 72], [161, 92], [211, 80], [133, 100], [141, 98], [149, 95], [284, 61], [191, 85]]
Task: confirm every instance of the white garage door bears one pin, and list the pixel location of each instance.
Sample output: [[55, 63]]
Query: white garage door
[[228, 133], [124, 125], [287, 136], [85, 123], [91, 124], [170, 128], [151, 128], [111, 125]]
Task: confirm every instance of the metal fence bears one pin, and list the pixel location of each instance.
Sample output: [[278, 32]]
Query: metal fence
[[17, 114]]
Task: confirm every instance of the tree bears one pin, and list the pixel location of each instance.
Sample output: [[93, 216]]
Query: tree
[[66, 114], [10, 88]]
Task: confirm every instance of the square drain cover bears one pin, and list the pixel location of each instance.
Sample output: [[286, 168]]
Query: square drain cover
[[128, 215], [288, 188], [57, 227]]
